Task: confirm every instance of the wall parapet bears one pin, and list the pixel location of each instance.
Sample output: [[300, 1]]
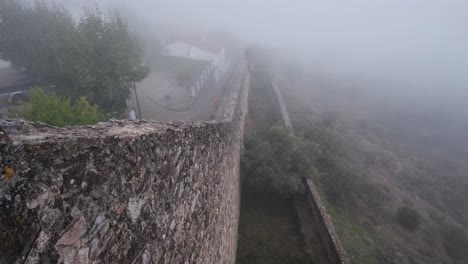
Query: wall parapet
[[123, 191]]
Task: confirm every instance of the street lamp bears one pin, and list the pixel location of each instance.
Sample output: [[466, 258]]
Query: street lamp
[[137, 101]]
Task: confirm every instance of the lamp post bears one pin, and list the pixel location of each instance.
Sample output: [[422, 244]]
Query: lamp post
[[137, 101]]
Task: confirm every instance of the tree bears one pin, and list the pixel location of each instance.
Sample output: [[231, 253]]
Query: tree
[[55, 110], [277, 162], [96, 58]]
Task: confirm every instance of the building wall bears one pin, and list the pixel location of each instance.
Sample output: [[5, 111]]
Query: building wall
[[180, 49], [200, 54], [4, 64], [123, 192]]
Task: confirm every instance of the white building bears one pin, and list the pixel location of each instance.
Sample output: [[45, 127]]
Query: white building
[[4, 64], [198, 48], [201, 48]]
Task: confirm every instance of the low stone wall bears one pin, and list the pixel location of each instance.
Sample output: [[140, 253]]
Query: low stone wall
[[282, 105], [123, 192], [330, 240]]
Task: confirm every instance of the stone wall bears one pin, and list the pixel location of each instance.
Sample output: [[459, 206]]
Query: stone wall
[[331, 242], [122, 191]]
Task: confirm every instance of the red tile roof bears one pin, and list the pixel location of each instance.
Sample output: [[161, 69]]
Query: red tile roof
[[203, 43]]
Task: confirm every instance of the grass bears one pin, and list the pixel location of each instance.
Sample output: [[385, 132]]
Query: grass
[[362, 246], [268, 231]]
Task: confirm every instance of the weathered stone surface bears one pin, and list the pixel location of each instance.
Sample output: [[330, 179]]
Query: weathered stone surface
[[330, 239], [74, 233], [122, 191]]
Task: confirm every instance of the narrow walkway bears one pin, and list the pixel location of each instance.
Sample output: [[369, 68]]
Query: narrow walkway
[[268, 232], [310, 234]]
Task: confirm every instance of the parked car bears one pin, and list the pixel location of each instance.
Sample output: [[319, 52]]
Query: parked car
[[16, 84]]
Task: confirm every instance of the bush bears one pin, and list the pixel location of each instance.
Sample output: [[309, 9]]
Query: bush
[[58, 111], [275, 161], [85, 113], [408, 218]]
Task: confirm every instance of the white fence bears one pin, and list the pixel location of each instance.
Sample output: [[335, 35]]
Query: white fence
[[218, 72]]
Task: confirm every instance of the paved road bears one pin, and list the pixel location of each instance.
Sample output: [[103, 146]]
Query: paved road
[[202, 109]]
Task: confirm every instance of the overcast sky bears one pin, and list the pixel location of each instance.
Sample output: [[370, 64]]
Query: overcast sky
[[420, 44]]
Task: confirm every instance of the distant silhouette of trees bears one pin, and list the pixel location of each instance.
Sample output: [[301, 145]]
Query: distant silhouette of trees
[[97, 57]]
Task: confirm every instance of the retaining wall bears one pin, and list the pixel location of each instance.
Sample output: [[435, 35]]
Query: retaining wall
[[330, 240], [123, 191]]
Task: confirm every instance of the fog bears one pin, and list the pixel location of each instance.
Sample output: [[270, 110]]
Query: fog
[[4, 64], [414, 51]]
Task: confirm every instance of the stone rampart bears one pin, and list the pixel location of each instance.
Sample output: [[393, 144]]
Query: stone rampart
[[123, 191]]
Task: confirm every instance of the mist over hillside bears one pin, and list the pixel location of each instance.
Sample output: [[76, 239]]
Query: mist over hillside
[[376, 91], [403, 61], [408, 54]]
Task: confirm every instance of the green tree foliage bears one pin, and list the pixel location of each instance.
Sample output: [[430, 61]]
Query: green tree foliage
[[275, 161], [408, 218], [95, 57], [84, 113], [55, 110]]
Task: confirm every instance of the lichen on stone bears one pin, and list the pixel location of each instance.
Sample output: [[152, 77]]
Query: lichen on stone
[[20, 220], [8, 172]]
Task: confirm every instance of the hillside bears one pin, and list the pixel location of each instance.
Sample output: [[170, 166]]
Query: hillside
[[389, 163]]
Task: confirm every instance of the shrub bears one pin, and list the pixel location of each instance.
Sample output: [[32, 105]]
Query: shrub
[[85, 113], [275, 161], [55, 110], [408, 218]]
